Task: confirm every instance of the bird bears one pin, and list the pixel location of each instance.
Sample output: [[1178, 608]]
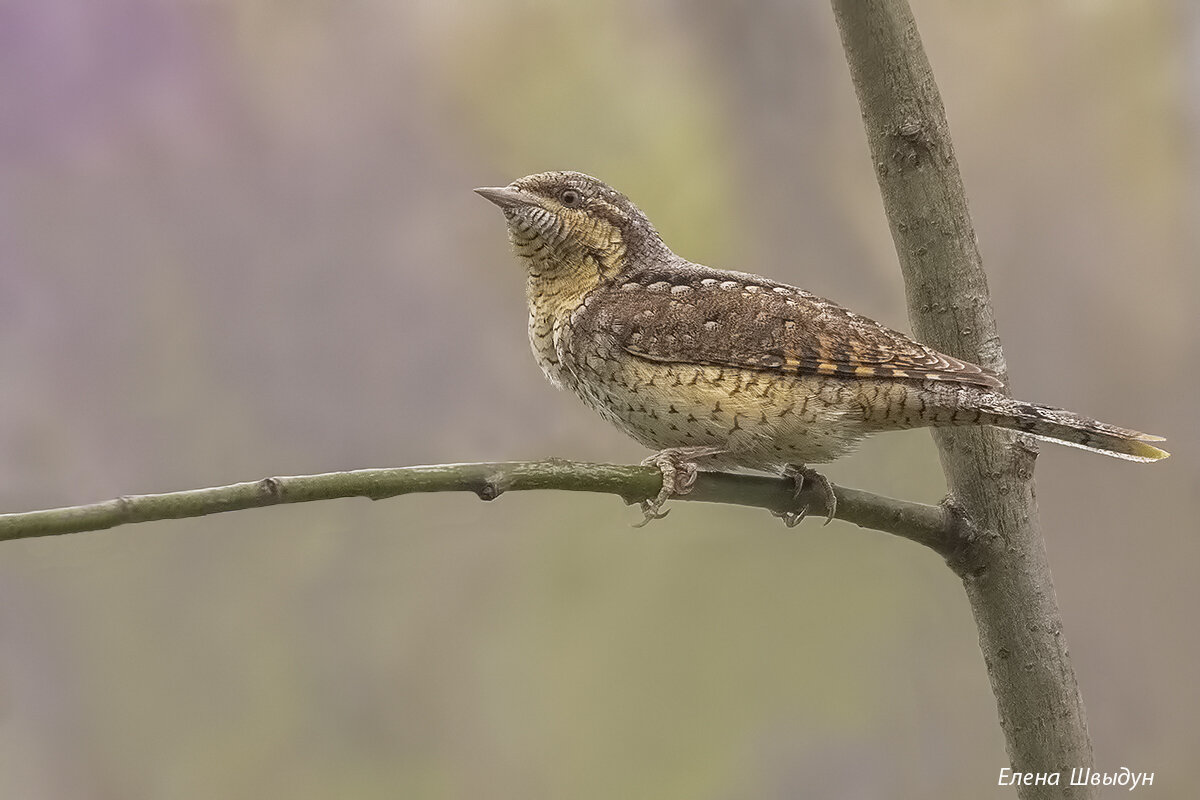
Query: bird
[[732, 370]]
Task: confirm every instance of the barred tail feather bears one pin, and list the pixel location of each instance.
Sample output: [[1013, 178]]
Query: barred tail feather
[[1074, 430]]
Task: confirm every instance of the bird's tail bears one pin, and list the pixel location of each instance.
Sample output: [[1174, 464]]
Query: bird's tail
[[1075, 430]]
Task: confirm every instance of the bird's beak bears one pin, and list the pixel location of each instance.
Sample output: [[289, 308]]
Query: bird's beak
[[507, 197]]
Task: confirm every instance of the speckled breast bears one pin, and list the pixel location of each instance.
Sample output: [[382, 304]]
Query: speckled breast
[[762, 421]]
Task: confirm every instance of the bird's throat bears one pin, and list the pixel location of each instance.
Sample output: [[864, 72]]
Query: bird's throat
[[555, 287]]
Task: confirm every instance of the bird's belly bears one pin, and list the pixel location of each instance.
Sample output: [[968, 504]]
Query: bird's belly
[[762, 421]]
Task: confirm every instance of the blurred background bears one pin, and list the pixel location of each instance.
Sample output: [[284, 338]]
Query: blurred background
[[237, 239]]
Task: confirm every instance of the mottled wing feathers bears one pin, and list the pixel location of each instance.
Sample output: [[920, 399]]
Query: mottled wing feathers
[[696, 315]]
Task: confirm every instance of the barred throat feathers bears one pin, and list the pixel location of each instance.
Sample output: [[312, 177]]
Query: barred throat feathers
[[557, 284]]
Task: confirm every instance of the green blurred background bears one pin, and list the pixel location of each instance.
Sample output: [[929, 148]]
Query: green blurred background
[[237, 239]]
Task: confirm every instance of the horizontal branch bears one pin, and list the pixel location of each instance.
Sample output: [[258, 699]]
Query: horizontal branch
[[936, 527]]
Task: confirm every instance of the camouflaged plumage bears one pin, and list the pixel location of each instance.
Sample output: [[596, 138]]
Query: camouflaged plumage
[[746, 371], [693, 314]]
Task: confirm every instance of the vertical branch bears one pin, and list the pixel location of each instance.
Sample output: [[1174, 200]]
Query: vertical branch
[[989, 472]]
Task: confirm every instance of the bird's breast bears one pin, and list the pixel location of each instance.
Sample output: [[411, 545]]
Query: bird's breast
[[762, 421]]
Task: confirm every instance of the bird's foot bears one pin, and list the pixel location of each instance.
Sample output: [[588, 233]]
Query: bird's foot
[[678, 468], [802, 476]]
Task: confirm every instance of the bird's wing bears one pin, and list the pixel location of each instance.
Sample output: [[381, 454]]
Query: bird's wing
[[702, 316]]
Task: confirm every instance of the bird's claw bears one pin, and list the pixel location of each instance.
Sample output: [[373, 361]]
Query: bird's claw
[[679, 471], [801, 476], [792, 518], [650, 512]]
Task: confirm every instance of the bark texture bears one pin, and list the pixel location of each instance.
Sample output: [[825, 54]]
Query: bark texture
[[989, 472]]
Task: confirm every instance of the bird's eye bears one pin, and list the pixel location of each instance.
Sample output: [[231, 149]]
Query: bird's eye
[[570, 198]]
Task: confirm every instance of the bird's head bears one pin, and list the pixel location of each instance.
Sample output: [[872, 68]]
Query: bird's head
[[568, 220]]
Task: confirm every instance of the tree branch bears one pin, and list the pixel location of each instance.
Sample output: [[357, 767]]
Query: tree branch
[[937, 527], [989, 472]]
